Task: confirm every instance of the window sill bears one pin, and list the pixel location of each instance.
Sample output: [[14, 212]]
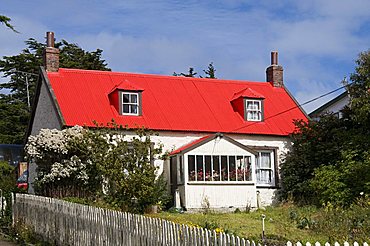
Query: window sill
[[220, 183], [267, 186]]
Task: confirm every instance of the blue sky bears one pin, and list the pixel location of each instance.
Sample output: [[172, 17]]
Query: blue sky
[[318, 41]]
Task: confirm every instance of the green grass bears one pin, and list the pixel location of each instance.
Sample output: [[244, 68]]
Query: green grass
[[286, 223]]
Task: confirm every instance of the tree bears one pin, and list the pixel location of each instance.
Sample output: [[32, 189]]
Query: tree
[[329, 159], [210, 72], [191, 73], [22, 71], [5, 20]]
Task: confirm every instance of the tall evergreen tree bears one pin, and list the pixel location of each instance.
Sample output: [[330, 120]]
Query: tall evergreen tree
[[22, 71], [210, 72]]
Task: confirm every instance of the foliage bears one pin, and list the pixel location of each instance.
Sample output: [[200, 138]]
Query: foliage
[[329, 161], [7, 177], [14, 119], [23, 69], [98, 163], [7, 185], [210, 72], [6, 21]]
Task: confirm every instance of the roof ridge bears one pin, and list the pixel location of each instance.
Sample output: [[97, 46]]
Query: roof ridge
[[159, 76]]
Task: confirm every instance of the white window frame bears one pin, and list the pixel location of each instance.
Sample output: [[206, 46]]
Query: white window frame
[[253, 111], [130, 103], [259, 169]]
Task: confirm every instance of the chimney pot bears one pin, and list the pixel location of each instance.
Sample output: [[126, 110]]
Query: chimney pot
[[274, 73], [274, 58], [50, 39], [51, 54]]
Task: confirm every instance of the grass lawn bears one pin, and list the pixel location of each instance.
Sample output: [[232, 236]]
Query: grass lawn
[[282, 224]]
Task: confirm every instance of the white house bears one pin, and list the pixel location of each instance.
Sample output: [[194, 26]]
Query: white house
[[226, 137], [333, 106]]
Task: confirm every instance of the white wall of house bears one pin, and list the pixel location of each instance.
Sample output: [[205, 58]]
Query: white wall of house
[[175, 140]]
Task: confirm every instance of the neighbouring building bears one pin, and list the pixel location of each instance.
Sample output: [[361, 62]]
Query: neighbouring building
[[333, 106], [226, 137]]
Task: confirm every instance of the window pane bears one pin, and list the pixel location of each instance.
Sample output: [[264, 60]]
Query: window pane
[[125, 98], [240, 168], [232, 170], [200, 168], [181, 172], [191, 167], [133, 98], [264, 176], [265, 172], [208, 174], [134, 109], [265, 160], [224, 169], [216, 168], [247, 169], [126, 108]]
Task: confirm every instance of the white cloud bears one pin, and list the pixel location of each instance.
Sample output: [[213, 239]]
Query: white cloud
[[317, 40]]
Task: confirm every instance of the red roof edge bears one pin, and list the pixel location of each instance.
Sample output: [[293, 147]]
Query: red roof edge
[[187, 146]]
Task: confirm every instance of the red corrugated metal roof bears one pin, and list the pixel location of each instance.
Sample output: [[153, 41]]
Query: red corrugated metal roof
[[172, 103]]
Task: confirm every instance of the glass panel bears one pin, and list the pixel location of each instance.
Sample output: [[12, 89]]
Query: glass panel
[[208, 168], [125, 97], [181, 172], [191, 167], [126, 108], [216, 168], [232, 169], [200, 168], [247, 169], [224, 170], [265, 160], [264, 176], [133, 98], [134, 109], [240, 168]]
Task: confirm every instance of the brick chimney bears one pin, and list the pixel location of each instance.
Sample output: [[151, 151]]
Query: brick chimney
[[51, 54], [274, 73]]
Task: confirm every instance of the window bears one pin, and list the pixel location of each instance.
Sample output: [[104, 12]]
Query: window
[[254, 110], [130, 103], [219, 168], [180, 171], [265, 168]]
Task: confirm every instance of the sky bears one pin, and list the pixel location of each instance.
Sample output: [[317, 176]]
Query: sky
[[318, 41]]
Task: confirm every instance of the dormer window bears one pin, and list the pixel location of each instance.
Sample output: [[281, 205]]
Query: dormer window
[[253, 110], [126, 98], [249, 104], [130, 103]]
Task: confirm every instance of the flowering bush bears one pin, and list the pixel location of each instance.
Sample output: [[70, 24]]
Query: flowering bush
[[78, 162]]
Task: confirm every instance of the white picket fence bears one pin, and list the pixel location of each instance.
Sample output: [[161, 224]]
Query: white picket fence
[[66, 223]]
